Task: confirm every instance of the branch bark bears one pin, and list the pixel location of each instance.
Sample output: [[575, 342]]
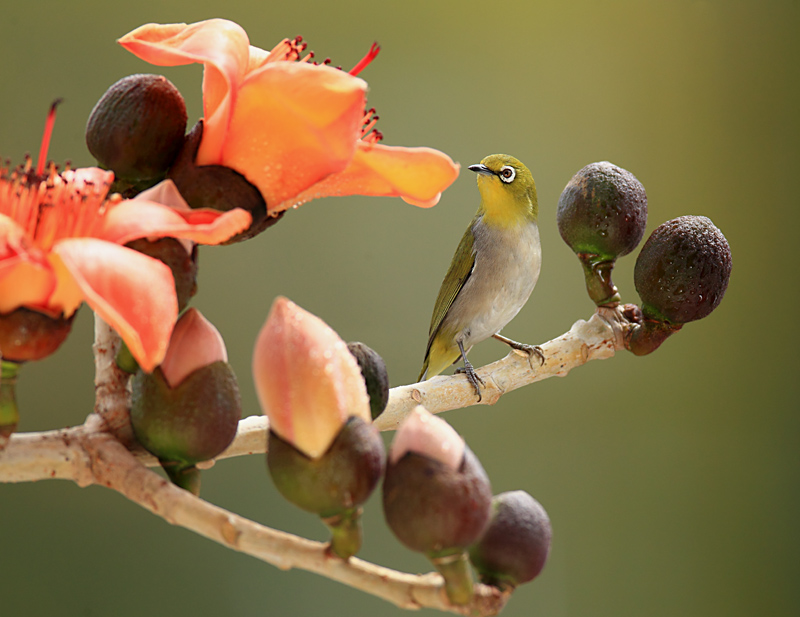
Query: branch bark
[[102, 451]]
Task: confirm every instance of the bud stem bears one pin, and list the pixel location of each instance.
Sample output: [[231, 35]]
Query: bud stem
[[9, 412], [646, 337], [183, 475], [597, 272], [345, 532], [454, 567]]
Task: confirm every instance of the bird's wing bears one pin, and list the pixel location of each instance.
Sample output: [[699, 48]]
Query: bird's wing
[[460, 270]]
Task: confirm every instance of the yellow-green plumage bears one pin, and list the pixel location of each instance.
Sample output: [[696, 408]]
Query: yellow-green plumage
[[494, 269]]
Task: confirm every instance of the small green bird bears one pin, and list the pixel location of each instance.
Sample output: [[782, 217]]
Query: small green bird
[[493, 272]]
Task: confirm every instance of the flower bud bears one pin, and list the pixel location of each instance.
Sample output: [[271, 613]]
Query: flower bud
[[218, 187], [136, 129], [436, 497], [376, 378], [681, 275], [323, 453], [515, 545], [188, 409], [602, 214], [307, 381], [27, 335]]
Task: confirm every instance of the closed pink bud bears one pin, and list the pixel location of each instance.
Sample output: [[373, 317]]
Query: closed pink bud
[[195, 343], [425, 434], [307, 381]]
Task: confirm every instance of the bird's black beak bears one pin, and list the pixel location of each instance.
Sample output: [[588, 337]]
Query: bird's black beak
[[481, 169]]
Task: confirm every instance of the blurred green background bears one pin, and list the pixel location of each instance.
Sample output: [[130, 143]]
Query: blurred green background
[[671, 480]]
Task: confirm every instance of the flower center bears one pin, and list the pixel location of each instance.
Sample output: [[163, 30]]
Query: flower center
[[52, 205], [48, 205]]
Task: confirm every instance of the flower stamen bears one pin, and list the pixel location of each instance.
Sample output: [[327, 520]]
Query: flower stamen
[[48, 133], [368, 124], [365, 61]]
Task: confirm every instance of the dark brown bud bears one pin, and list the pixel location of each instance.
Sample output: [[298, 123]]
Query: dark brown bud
[[376, 378], [602, 214], [137, 127], [683, 270], [515, 545], [433, 508], [27, 335]]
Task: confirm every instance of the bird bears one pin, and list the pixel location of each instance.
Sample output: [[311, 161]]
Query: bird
[[493, 272]]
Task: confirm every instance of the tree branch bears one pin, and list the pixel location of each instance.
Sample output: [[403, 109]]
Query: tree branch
[[102, 451]]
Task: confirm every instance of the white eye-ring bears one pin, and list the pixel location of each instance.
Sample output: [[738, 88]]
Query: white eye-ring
[[507, 174]]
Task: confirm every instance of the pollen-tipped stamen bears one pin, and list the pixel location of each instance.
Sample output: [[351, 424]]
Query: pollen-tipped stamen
[[368, 124]]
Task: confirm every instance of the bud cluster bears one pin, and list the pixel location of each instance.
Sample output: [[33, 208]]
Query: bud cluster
[[325, 456], [681, 273]]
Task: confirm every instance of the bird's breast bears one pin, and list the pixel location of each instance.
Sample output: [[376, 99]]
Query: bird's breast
[[507, 264]]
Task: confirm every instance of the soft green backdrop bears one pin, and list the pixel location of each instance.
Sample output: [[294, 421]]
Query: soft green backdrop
[[671, 480]]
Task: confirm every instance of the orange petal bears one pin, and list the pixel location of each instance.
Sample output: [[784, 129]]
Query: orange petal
[[418, 175], [24, 283], [26, 278], [221, 46], [293, 125], [307, 381], [139, 218], [134, 293]]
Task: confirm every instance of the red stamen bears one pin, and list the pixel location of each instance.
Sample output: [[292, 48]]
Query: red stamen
[[364, 62], [48, 133]]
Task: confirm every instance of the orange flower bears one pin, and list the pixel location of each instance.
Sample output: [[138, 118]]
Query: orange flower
[[60, 245], [295, 129]]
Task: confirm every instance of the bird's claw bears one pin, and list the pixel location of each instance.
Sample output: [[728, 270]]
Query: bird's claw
[[472, 377], [532, 350]]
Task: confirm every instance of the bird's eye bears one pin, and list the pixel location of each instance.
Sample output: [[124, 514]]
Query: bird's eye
[[507, 174]]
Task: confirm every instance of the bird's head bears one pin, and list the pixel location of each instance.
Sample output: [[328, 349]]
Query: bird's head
[[508, 192]]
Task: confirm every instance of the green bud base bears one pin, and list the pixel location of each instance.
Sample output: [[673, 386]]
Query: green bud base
[[125, 360], [9, 412], [454, 568], [597, 272], [185, 476], [346, 534]]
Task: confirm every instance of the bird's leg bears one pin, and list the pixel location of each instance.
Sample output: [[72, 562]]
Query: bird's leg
[[468, 369], [531, 350]]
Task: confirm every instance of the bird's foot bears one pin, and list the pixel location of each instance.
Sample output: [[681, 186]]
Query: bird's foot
[[531, 350], [473, 377]]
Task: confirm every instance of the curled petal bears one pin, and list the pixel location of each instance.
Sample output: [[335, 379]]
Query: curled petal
[[145, 219], [134, 293], [221, 46], [418, 175], [294, 124]]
